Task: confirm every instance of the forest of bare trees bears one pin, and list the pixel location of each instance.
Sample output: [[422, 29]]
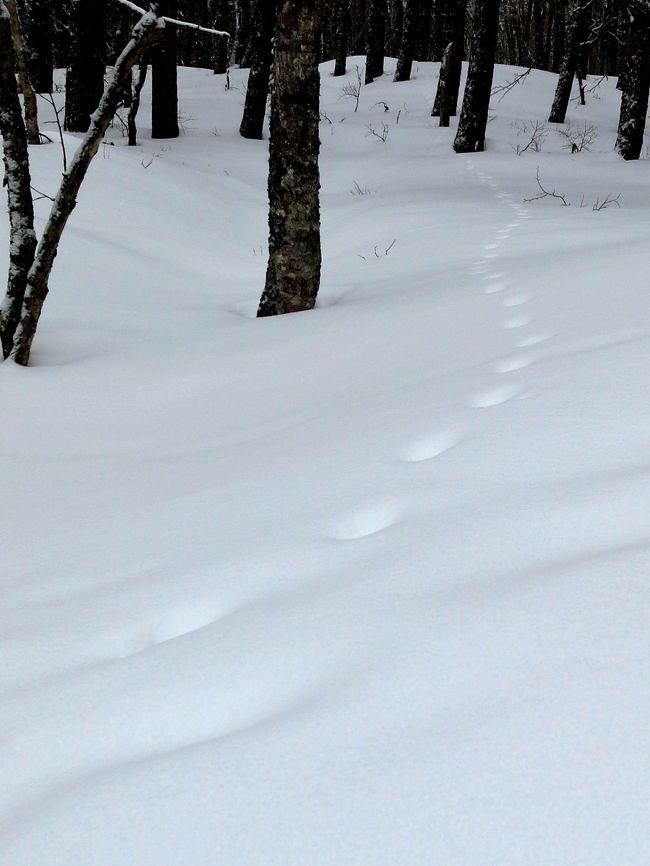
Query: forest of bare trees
[[282, 41]]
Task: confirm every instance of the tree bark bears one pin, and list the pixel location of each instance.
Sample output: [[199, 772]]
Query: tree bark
[[147, 32], [85, 78], [577, 33], [22, 239], [634, 100], [376, 33], [261, 57], [410, 22], [164, 83], [293, 272], [342, 24], [29, 97], [470, 136], [452, 26]]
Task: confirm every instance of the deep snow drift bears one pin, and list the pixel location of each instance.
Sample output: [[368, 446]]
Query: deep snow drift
[[366, 586]]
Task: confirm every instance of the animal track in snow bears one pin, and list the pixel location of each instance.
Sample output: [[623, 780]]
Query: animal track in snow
[[517, 322], [493, 287], [495, 275], [533, 340], [428, 447], [367, 520], [516, 300], [491, 246], [493, 396], [515, 362]]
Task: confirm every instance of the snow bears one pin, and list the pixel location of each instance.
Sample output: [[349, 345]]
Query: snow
[[366, 585]]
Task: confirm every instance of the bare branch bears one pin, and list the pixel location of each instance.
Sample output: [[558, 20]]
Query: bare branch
[[175, 21], [607, 201], [504, 89], [545, 193]]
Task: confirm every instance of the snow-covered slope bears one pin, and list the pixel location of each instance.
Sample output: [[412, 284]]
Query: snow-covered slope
[[366, 586]]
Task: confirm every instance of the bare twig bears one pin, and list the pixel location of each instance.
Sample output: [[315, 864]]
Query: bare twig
[[57, 111], [40, 195], [607, 201], [504, 89], [383, 135], [353, 88], [537, 133], [545, 193]]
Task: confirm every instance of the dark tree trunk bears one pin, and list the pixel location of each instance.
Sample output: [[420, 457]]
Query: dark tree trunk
[[85, 78], [442, 102], [395, 27], [424, 48], [22, 239], [577, 33], [261, 55], [559, 35], [146, 33], [164, 85], [29, 97], [412, 15], [138, 83], [243, 33], [293, 273], [220, 45], [470, 136], [634, 101], [359, 25], [376, 30], [342, 13], [40, 38], [452, 26]]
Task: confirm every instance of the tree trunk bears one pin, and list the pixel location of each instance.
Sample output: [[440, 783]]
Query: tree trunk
[[376, 34], [577, 32], [243, 34], [293, 273], [221, 45], [147, 31], [359, 25], [559, 35], [411, 20], [470, 136], [394, 27], [85, 79], [164, 85], [443, 82], [139, 78], [29, 97], [634, 101], [40, 38], [342, 13], [261, 55], [453, 30], [22, 239], [424, 47]]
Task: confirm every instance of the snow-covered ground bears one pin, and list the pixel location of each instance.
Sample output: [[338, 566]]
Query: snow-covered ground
[[366, 586]]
